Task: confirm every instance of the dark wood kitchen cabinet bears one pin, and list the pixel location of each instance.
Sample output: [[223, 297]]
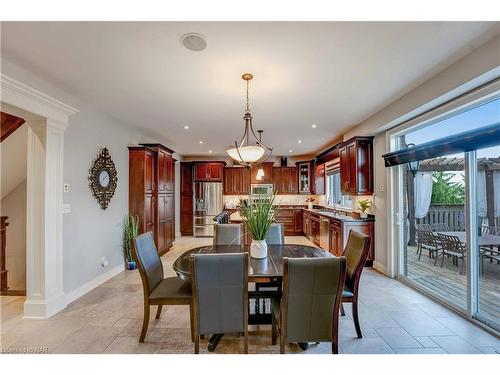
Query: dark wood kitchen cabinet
[[285, 180], [268, 173], [186, 219], [151, 192], [291, 218], [319, 179], [236, 181], [209, 171], [339, 233], [356, 166], [305, 173]]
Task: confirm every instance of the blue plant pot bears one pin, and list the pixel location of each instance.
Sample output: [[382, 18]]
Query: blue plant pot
[[131, 265]]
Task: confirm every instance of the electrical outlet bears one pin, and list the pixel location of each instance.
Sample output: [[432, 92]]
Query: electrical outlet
[[66, 188], [381, 187]]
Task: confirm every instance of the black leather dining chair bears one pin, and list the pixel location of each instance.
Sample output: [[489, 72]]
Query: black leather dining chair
[[220, 295], [310, 301], [158, 290]]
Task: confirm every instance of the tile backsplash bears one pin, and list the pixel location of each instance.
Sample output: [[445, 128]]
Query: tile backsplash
[[231, 201]]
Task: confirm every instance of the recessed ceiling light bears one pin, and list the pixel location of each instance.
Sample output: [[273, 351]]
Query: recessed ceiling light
[[209, 151], [290, 150], [314, 126], [194, 41], [300, 141], [186, 127], [201, 142]]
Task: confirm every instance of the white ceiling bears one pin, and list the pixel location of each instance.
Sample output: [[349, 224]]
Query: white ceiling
[[333, 74]]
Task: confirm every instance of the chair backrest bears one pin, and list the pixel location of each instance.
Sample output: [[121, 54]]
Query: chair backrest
[[441, 227], [423, 227], [427, 237], [312, 292], [356, 253], [490, 230], [451, 243], [276, 234], [227, 234], [148, 261], [220, 292]]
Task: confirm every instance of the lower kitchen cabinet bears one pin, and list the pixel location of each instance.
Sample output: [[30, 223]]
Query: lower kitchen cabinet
[[291, 218], [339, 233]]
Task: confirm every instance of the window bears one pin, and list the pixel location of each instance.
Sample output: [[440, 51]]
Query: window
[[334, 196]]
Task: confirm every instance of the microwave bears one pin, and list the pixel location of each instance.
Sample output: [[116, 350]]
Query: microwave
[[261, 189]]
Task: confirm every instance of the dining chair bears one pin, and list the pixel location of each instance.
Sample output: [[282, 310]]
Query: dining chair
[[220, 295], [452, 246], [227, 234], [276, 234], [427, 240], [310, 301], [356, 252], [158, 290]]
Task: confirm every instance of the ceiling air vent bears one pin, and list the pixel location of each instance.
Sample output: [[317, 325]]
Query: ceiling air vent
[[194, 41]]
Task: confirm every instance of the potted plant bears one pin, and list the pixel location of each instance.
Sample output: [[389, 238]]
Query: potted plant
[[363, 205], [130, 231], [258, 213]]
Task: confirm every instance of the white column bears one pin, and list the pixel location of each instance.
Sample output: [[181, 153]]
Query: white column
[[44, 292]]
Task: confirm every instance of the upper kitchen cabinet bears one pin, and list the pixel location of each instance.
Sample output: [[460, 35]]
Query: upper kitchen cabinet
[[319, 179], [268, 173], [305, 170], [285, 180], [356, 166], [236, 181], [209, 171]]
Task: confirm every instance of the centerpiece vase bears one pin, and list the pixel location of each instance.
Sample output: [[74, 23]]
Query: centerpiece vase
[[258, 249]]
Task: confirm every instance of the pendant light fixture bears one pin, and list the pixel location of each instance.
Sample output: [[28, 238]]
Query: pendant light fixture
[[249, 150]]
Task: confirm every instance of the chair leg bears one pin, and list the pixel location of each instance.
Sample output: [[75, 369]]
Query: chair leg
[[197, 344], [462, 268], [419, 251], [245, 342], [191, 320], [335, 335], [442, 260], [282, 345], [273, 329], [436, 258], [342, 311], [158, 312], [145, 323], [356, 317]]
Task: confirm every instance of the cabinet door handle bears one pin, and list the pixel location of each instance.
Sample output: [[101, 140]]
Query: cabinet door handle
[[153, 186]]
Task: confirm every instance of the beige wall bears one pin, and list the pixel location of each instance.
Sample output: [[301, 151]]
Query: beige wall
[[480, 66], [14, 206]]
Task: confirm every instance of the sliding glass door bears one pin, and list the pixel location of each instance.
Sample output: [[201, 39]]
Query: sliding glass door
[[446, 212], [487, 288]]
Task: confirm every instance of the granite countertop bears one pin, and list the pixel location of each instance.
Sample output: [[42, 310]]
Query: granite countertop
[[321, 211]]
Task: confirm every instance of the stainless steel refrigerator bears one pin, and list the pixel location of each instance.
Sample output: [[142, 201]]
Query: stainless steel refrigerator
[[208, 202]]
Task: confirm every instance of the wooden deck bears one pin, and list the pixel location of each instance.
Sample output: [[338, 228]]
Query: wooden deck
[[449, 284]]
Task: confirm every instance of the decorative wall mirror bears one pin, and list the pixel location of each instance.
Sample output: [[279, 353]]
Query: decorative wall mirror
[[103, 178]]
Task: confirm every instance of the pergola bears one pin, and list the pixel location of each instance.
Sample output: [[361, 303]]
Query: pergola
[[450, 164]]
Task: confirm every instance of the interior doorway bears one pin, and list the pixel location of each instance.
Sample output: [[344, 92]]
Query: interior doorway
[[13, 198]]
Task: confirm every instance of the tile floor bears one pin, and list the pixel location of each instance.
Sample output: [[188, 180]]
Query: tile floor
[[394, 319]]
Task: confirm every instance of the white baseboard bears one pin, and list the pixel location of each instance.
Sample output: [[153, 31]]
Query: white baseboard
[[380, 267], [43, 309], [94, 283]]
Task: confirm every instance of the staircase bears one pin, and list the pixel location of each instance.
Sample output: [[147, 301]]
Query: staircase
[[9, 125]]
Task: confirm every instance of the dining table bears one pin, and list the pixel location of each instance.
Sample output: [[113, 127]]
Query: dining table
[[269, 269]]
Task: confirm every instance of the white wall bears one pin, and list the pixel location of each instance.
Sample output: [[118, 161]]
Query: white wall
[[90, 233], [13, 205], [475, 69]]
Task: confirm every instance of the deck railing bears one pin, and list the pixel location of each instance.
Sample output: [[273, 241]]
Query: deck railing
[[453, 215]]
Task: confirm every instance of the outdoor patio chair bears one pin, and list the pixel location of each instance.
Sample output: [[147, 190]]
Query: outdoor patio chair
[[423, 227], [452, 246], [491, 252], [441, 227], [427, 240]]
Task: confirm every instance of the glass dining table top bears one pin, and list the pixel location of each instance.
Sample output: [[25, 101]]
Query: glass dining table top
[[269, 267]]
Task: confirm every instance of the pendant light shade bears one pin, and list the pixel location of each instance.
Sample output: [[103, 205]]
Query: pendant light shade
[[246, 154], [250, 150]]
